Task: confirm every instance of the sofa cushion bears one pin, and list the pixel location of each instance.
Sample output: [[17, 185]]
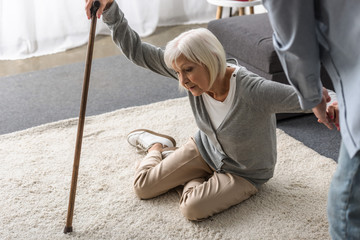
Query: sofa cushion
[[249, 38]]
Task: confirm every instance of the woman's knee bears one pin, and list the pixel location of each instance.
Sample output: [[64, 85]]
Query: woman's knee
[[193, 209], [141, 189], [141, 193]]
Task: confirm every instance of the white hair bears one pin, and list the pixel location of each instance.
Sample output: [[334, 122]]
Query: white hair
[[199, 46]]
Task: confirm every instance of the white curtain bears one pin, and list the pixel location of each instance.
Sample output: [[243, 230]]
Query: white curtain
[[38, 27]]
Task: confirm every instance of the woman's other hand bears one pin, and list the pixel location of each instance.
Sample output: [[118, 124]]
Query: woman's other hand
[[333, 113], [320, 110]]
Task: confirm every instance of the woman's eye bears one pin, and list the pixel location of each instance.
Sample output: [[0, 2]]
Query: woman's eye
[[188, 69]]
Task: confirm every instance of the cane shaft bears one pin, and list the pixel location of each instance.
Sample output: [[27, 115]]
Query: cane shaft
[[85, 89]]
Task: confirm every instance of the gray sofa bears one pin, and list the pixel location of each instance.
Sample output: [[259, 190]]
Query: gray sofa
[[249, 40]]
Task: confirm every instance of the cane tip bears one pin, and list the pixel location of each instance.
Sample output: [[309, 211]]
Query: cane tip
[[67, 229]]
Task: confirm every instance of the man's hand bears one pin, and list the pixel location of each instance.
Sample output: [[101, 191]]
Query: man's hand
[[104, 4], [320, 110], [333, 113]]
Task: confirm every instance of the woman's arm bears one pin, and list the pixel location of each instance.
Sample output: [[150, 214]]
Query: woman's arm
[[269, 96], [142, 54]]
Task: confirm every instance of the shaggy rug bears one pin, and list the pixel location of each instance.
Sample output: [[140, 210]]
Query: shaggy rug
[[36, 170]]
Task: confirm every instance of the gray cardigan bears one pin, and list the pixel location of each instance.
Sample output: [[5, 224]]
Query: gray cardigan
[[245, 142]]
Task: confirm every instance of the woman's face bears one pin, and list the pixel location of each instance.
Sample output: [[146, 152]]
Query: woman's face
[[194, 77]]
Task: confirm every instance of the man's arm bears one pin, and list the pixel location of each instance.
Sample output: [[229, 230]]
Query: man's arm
[[296, 44]]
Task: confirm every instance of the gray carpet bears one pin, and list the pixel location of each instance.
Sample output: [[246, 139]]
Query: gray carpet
[[307, 130], [36, 98]]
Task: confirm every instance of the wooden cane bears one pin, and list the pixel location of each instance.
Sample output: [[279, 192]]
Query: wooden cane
[[85, 89]]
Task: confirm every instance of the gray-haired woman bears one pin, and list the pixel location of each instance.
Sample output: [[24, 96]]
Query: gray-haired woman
[[234, 151]]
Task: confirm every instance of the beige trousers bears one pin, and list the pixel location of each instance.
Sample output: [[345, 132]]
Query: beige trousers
[[205, 191]]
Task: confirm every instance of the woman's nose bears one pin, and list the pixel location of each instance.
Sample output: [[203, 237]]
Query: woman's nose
[[183, 80]]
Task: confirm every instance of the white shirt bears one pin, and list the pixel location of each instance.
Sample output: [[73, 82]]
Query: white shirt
[[218, 110]]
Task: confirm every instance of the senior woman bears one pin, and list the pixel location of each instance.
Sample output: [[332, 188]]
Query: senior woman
[[234, 151]]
